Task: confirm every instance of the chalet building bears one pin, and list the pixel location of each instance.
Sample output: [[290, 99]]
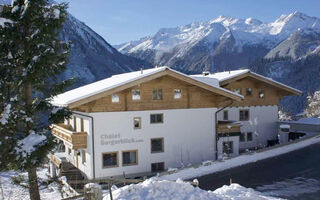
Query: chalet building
[[143, 122]]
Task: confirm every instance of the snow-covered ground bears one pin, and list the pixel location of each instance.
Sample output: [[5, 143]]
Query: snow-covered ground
[[155, 189], [151, 189], [48, 190], [211, 167], [166, 186]]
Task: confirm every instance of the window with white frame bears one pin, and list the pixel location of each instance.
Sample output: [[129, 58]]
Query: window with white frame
[[84, 157], [225, 115], [156, 118], [249, 136], [136, 95], [243, 115], [261, 94], [227, 147], [237, 90], [177, 94], [248, 91], [115, 98], [157, 167], [242, 137], [157, 94]]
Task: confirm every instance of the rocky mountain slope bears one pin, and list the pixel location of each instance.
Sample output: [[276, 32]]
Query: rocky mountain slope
[[279, 49], [92, 58]]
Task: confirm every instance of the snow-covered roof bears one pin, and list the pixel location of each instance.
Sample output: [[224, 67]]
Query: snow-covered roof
[[227, 75], [100, 86], [310, 121], [121, 79], [221, 76]]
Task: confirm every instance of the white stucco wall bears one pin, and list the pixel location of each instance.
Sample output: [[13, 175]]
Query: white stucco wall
[[86, 167], [189, 137], [262, 123]]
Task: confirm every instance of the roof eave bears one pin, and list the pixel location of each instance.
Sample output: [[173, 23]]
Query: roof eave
[[287, 88]]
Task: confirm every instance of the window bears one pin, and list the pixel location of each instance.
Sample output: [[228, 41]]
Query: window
[[249, 136], [137, 123], [157, 167], [248, 91], [130, 157], [242, 137], [82, 125], [244, 115], [110, 159], [156, 118], [237, 90], [83, 154], [157, 94], [115, 98], [177, 94], [69, 151], [135, 94], [157, 145], [228, 147], [225, 115], [261, 94]]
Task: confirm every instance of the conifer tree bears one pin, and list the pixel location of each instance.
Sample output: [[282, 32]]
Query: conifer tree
[[313, 108], [31, 58]]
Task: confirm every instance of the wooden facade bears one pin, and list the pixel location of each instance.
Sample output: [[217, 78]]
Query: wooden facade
[[271, 97], [226, 128], [191, 97]]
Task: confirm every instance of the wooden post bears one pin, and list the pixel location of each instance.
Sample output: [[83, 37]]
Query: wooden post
[[230, 181], [92, 191], [125, 100], [110, 191], [188, 96]]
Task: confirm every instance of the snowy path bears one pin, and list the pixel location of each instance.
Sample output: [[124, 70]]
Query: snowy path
[[212, 167]]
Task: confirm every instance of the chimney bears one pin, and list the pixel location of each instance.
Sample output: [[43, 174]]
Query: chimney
[[205, 73]]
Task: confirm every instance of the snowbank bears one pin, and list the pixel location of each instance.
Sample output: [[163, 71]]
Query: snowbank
[[155, 189], [48, 190], [217, 166]]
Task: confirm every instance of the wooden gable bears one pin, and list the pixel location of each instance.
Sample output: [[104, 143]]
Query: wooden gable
[[192, 96], [272, 93]]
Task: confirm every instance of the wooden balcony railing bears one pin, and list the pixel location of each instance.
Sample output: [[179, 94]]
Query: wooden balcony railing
[[228, 127], [55, 160], [78, 140]]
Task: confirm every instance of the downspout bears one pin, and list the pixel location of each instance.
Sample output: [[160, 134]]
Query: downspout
[[216, 121], [92, 131]]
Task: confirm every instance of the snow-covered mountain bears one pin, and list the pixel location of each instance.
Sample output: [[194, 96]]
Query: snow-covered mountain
[[209, 42], [287, 49], [92, 58]]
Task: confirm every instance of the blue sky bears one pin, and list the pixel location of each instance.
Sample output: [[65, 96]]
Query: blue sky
[[120, 21]]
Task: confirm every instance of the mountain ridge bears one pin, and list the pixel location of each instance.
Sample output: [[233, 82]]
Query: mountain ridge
[[278, 49]]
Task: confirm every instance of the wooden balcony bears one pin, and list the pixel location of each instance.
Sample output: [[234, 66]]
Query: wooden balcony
[[78, 140], [229, 127], [57, 159]]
